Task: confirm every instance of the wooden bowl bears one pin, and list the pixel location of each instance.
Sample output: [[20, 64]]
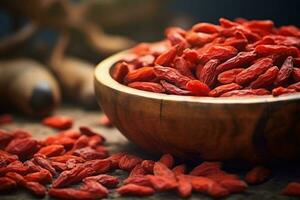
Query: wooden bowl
[[252, 129]]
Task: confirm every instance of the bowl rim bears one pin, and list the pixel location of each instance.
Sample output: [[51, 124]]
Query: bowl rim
[[102, 75]]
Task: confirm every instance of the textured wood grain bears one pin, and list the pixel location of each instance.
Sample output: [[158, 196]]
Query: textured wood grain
[[253, 129]]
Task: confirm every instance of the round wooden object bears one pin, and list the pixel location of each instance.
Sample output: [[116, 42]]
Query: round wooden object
[[253, 129]]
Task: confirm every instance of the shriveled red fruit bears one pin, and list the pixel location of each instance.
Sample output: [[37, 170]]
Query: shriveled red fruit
[[172, 89], [292, 189], [141, 74], [208, 73], [36, 189], [218, 91], [206, 168], [43, 176], [257, 175], [276, 49], [167, 159], [115, 159], [197, 88], [135, 190], [219, 52], [148, 165], [52, 150], [207, 186], [296, 74], [179, 169], [58, 122], [229, 76], [266, 78], [206, 28], [183, 67], [24, 148], [138, 180], [94, 187], [147, 86], [120, 70], [241, 59], [295, 86], [7, 184], [5, 138], [167, 57], [246, 92], [184, 188], [6, 119], [171, 75], [285, 71], [104, 179], [70, 194], [128, 162], [281, 91], [105, 121], [251, 73]]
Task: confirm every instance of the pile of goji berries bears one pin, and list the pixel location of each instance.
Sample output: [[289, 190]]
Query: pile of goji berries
[[235, 58], [78, 158]]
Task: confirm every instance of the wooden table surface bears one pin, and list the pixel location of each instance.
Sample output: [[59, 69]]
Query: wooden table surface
[[116, 142]]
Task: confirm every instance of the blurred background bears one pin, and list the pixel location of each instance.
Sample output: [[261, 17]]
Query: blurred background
[[48, 48]]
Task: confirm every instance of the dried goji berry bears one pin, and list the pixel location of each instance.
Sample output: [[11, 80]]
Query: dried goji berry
[[208, 72], [43, 176], [52, 150], [138, 180], [98, 190], [229, 76], [104, 179], [135, 190], [128, 162], [172, 89], [266, 78], [251, 73], [44, 163], [184, 187], [148, 165], [246, 92], [179, 169], [141, 74], [105, 121], [292, 189], [206, 168], [147, 86], [167, 57], [36, 188], [120, 70], [24, 148], [295, 86], [285, 71], [219, 52], [206, 28], [281, 90], [59, 122], [197, 88], [71, 193], [296, 74], [276, 49], [258, 175], [171, 75], [198, 38], [239, 60], [167, 160], [6, 119], [181, 65], [218, 91], [7, 184]]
